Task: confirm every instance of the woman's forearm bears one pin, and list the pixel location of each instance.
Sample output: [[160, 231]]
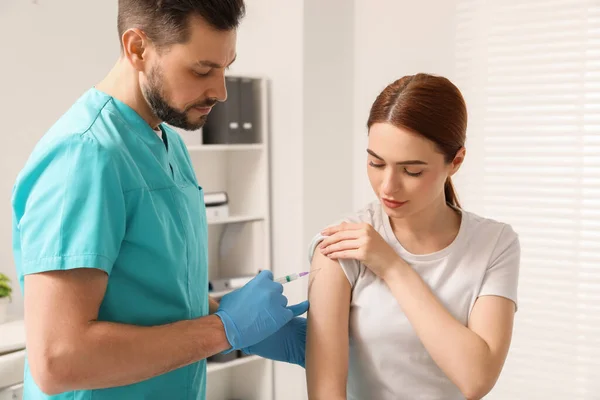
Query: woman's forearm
[[461, 354]]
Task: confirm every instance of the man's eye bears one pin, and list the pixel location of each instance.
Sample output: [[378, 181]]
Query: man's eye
[[197, 73]]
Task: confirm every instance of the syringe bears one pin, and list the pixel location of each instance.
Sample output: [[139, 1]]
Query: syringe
[[293, 277]]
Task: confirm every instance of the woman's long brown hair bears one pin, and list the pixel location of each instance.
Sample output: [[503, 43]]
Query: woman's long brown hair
[[430, 106]]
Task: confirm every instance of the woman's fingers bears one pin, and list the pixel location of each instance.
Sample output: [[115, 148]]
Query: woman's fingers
[[344, 226], [344, 255], [343, 245], [342, 235]]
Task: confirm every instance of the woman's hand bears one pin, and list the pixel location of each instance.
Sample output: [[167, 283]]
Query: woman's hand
[[363, 243]]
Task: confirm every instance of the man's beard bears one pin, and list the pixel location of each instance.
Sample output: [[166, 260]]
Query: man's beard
[[164, 111]]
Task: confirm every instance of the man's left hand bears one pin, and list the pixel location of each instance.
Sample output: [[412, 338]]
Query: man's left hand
[[287, 344]]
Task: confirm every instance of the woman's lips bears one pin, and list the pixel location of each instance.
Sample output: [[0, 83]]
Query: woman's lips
[[393, 203]]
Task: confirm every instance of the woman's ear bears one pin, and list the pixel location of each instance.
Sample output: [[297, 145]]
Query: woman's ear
[[458, 160]]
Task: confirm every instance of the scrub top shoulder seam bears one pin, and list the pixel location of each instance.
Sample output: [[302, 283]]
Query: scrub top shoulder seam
[[93, 122]]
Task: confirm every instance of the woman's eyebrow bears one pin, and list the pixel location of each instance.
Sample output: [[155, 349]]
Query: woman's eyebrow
[[406, 162]]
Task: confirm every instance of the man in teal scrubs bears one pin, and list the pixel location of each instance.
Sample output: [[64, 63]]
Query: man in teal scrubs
[[109, 231]]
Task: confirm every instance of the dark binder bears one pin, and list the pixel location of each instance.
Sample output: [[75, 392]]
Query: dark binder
[[249, 102], [223, 123]]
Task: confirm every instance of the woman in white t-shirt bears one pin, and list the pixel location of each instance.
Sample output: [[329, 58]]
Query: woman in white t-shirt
[[423, 304]]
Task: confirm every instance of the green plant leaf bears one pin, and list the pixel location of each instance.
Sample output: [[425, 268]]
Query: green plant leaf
[[5, 288]]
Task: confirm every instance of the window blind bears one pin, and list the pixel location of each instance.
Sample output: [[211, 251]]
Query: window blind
[[530, 73]]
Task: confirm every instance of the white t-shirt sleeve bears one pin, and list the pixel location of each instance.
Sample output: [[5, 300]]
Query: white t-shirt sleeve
[[351, 268], [502, 275]]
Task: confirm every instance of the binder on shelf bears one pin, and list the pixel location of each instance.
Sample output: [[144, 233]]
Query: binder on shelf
[[224, 118], [234, 121], [248, 112]]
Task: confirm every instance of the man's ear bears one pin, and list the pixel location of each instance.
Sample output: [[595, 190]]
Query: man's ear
[[135, 48], [458, 160]]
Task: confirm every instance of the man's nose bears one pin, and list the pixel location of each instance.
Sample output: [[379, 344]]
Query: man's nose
[[217, 89]]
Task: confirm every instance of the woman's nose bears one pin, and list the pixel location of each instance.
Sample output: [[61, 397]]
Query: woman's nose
[[391, 184]]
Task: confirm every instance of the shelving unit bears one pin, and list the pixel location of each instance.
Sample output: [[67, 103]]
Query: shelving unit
[[239, 245], [235, 219], [215, 367]]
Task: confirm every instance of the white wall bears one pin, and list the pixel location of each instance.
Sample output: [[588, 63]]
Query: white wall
[[327, 137], [394, 38], [49, 57], [328, 106]]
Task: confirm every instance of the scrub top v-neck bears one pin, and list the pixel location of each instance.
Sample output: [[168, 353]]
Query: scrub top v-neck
[[103, 190]]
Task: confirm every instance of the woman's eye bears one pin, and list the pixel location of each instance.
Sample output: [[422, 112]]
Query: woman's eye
[[372, 164], [413, 173]]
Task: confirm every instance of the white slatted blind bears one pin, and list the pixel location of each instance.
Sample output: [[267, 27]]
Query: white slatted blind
[[530, 73]]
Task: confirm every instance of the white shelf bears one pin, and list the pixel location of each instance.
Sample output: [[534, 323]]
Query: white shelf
[[214, 367], [235, 219], [240, 243], [13, 336], [226, 147]]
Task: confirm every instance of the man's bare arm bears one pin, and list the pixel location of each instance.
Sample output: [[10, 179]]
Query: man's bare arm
[[69, 349]]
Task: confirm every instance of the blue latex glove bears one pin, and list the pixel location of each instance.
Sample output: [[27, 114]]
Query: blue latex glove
[[255, 312], [287, 344]]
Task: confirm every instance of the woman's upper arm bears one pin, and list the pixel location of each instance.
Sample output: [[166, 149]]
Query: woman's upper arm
[[327, 333]]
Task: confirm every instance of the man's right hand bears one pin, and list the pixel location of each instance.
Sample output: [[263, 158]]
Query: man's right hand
[[255, 311]]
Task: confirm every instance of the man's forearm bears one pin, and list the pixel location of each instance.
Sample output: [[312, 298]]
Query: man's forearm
[[108, 354]]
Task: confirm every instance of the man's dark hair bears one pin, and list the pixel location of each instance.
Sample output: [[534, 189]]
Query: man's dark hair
[[165, 22]]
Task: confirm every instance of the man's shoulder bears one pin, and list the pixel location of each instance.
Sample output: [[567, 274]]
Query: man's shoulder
[[84, 115], [90, 126], [81, 136]]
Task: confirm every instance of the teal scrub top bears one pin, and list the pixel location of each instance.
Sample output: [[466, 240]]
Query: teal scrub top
[[103, 190]]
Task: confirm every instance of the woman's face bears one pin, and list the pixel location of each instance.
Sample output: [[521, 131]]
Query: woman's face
[[406, 171]]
